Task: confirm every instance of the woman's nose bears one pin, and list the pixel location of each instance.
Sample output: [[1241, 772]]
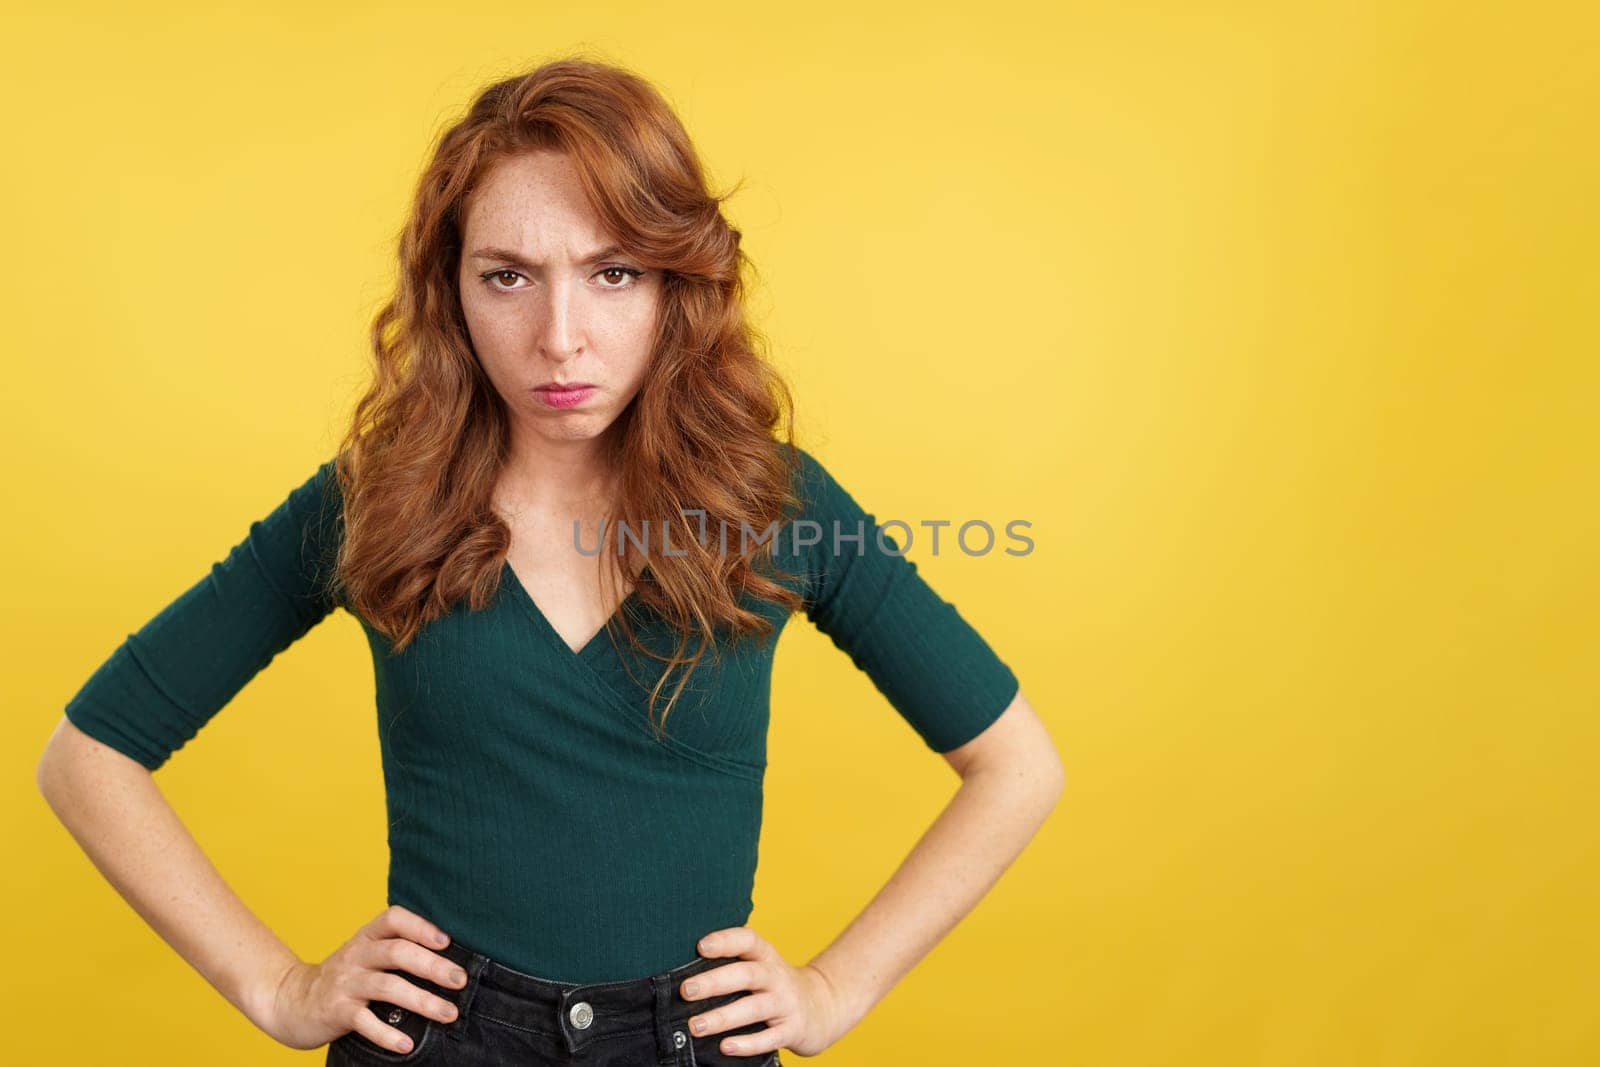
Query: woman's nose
[[559, 330]]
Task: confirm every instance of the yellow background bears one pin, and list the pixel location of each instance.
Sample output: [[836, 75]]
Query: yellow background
[[1284, 322]]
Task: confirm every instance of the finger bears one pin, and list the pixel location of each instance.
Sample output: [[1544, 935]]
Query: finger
[[397, 990], [395, 921], [735, 941], [729, 978], [369, 1026], [754, 1044], [753, 1008], [398, 953]]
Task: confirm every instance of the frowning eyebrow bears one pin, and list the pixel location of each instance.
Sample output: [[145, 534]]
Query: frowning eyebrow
[[505, 255]]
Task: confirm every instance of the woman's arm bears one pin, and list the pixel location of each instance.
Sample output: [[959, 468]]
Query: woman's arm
[[1011, 780], [152, 695], [147, 700], [965, 703], [113, 808]]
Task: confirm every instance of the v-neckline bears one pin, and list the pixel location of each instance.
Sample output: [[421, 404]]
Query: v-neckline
[[520, 591]]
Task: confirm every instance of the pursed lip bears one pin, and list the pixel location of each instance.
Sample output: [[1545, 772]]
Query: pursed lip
[[564, 387]]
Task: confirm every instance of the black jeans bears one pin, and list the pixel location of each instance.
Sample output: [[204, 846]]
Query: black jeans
[[510, 1019]]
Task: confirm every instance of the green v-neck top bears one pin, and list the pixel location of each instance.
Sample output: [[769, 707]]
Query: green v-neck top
[[533, 813]]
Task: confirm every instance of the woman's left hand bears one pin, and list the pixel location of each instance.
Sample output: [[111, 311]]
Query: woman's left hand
[[799, 1005]]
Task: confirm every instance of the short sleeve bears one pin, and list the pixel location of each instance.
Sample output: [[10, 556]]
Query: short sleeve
[[920, 652], [166, 681]]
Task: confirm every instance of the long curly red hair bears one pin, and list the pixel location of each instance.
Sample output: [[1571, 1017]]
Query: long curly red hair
[[712, 426]]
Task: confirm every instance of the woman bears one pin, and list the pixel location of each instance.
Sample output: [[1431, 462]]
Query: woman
[[572, 722]]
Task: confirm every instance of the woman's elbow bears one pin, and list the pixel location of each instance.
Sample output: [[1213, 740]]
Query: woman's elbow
[[70, 755]]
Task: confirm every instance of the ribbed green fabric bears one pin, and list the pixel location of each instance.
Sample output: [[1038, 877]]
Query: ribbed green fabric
[[532, 812]]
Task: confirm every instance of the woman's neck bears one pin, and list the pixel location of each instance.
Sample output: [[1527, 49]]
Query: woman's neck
[[559, 476]]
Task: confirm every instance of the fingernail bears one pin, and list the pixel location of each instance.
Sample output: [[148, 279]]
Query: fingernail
[[458, 976], [690, 989], [405, 1044]]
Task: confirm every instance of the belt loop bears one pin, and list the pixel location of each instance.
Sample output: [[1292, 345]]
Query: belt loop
[[456, 1028], [666, 1032]]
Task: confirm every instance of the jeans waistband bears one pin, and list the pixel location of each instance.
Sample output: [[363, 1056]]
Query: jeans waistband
[[579, 1014]]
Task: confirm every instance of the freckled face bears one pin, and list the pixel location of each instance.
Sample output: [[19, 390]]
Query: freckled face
[[548, 299]]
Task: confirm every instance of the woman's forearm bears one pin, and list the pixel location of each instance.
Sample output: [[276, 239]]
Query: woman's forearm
[[957, 860], [114, 810]]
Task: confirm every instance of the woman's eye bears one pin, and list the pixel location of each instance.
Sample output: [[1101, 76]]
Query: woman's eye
[[628, 271], [499, 274]]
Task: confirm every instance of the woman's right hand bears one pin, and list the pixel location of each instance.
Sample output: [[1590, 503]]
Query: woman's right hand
[[316, 1003]]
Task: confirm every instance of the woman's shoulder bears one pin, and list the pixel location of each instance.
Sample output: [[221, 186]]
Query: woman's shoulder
[[309, 523], [319, 500], [810, 480]]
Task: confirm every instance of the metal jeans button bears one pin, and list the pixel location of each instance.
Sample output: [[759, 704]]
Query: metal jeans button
[[396, 1015], [581, 1015], [678, 1039]]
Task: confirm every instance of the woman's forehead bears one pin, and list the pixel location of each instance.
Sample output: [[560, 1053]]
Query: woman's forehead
[[535, 206]]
